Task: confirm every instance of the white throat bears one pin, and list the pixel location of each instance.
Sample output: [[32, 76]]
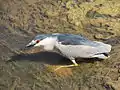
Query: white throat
[[48, 43]]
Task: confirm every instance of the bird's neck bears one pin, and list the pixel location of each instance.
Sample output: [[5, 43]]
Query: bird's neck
[[59, 45], [50, 44], [49, 47]]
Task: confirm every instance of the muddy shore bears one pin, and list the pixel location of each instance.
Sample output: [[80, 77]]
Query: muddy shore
[[31, 69]]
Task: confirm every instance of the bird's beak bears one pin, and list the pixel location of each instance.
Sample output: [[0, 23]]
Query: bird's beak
[[31, 44]]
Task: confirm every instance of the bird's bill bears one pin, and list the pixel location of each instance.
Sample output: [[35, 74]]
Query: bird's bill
[[31, 44]]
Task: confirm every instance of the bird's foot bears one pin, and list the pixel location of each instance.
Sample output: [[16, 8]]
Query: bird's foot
[[73, 65]]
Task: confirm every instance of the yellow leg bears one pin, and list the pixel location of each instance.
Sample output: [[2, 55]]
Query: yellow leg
[[74, 64]]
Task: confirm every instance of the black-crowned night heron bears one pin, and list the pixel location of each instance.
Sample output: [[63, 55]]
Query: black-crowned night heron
[[72, 46]]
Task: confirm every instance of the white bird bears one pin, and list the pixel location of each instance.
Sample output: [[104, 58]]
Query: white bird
[[72, 46]]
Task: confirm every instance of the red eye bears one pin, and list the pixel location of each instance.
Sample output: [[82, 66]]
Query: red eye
[[37, 41]]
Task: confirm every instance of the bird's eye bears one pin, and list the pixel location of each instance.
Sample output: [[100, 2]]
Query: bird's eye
[[37, 41]]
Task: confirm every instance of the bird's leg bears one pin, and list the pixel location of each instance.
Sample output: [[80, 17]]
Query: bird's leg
[[74, 64]]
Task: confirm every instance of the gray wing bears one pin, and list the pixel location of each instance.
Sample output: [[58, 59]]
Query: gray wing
[[71, 39]]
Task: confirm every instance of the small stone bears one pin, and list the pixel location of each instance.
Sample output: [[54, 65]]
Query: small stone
[[98, 36]]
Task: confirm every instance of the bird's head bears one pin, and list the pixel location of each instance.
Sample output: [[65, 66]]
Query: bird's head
[[41, 40]]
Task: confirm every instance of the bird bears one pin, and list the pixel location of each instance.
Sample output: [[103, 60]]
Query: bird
[[72, 46]]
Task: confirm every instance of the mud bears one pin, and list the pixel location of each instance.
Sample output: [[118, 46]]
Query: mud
[[34, 69]]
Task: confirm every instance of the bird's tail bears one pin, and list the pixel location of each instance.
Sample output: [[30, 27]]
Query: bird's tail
[[101, 56], [103, 51], [104, 48]]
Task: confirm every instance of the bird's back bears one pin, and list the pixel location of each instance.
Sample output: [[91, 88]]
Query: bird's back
[[71, 39]]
